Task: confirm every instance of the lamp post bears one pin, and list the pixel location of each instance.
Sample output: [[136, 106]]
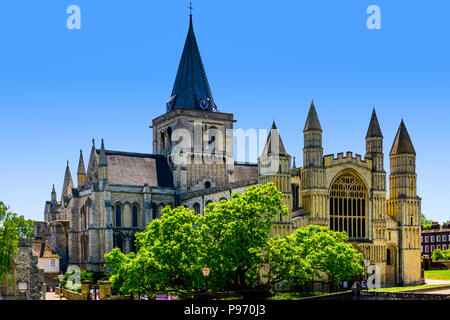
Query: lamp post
[[366, 265], [206, 272], [60, 278]]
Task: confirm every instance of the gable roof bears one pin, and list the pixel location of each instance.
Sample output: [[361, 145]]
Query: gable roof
[[42, 250], [138, 169]]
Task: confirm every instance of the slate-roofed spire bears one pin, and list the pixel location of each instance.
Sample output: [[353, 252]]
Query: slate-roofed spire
[[102, 161], [269, 148], [293, 164], [312, 122], [402, 142], [374, 127], [191, 88]]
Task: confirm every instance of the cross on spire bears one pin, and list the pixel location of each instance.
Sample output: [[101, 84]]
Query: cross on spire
[[190, 8]]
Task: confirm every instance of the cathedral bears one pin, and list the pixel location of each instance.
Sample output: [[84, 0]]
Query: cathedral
[[118, 193]]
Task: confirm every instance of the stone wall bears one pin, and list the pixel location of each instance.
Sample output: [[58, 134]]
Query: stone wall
[[28, 271]]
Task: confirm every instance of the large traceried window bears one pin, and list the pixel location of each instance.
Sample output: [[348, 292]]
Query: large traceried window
[[135, 216], [348, 206]]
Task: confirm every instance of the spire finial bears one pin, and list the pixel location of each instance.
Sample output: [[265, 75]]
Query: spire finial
[[93, 143], [190, 8], [67, 163]]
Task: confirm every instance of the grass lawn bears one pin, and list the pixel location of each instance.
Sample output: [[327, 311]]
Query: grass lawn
[[437, 274], [394, 289], [294, 295]]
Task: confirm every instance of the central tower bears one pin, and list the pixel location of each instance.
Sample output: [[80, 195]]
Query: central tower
[[195, 137]]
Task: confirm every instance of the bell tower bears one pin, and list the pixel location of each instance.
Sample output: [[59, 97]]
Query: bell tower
[[195, 137]]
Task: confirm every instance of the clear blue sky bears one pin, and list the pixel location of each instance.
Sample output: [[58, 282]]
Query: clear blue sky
[[60, 88]]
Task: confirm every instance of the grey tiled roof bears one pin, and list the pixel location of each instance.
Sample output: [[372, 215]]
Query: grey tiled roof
[[374, 127], [191, 85], [402, 142]]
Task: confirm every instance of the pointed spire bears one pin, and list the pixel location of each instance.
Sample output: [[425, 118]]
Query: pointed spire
[[293, 164], [374, 127], [312, 122], [191, 88], [271, 138], [102, 161], [93, 143], [402, 142], [81, 168], [66, 193], [53, 194]]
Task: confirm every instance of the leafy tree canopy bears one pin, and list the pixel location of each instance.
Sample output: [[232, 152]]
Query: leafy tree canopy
[[311, 253], [426, 224], [12, 227]]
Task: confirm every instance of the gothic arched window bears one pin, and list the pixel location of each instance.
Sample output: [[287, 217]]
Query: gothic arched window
[[348, 198], [135, 216], [197, 208], [119, 242], [154, 211], [118, 216], [388, 256]]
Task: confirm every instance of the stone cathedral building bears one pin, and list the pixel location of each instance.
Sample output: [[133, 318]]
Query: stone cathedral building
[[118, 193]]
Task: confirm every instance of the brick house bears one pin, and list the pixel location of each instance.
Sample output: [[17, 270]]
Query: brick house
[[436, 238]]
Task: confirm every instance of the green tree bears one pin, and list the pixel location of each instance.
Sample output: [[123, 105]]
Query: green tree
[[170, 255], [12, 227], [239, 231], [172, 251], [426, 224], [310, 253]]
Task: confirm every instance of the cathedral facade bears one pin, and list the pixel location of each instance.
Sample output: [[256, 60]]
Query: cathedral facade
[[118, 193]]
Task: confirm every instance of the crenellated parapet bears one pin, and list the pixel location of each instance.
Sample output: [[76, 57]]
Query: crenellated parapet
[[330, 160]]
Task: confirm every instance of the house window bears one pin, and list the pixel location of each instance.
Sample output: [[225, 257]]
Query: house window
[[444, 247], [438, 246], [421, 239], [432, 238], [421, 248], [427, 249], [427, 239], [432, 249], [53, 263], [444, 238], [438, 238]]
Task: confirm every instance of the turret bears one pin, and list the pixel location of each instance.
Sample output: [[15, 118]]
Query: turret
[[312, 133], [66, 194], [81, 173], [374, 143], [405, 206], [53, 194], [402, 178], [103, 164], [274, 165]]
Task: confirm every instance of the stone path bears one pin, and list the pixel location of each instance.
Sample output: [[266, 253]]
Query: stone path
[[431, 281], [52, 296]]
